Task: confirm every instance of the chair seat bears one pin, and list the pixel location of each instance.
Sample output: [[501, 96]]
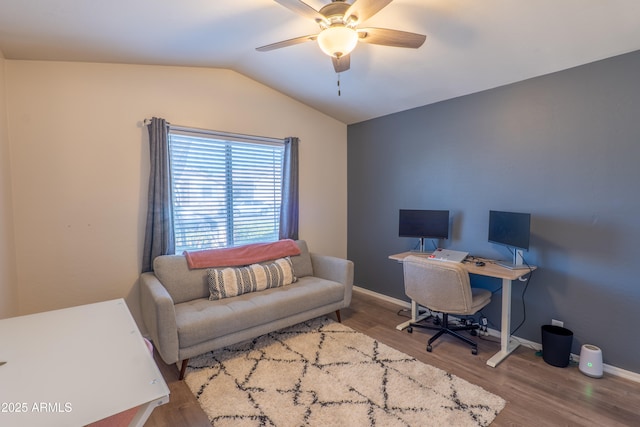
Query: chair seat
[[481, 297]]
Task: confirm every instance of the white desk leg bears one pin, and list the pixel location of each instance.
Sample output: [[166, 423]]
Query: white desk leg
[[507, 345], [414, 317], [144, 411]]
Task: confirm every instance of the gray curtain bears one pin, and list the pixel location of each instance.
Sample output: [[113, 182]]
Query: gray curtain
[[290, 204], [158, 239]]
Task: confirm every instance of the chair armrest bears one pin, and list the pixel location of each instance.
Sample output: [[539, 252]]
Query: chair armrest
[[159, 316]]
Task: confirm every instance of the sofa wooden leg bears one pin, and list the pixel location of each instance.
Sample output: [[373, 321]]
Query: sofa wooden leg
[[338, 316], [183, 368]]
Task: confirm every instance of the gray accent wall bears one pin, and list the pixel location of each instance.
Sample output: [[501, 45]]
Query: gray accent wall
[[564, 147]]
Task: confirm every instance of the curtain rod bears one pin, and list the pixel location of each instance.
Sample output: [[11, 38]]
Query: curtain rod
[[147, 122]]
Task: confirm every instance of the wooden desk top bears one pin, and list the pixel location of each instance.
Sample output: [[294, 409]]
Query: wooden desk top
[[490, 269]]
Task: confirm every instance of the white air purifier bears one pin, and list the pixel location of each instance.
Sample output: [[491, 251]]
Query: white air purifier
[[591, 361]]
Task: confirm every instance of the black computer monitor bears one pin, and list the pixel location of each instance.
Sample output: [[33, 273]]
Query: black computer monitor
[[511, 229], [423, 224]]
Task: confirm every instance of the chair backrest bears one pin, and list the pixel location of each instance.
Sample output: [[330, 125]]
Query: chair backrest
[[438, 285]]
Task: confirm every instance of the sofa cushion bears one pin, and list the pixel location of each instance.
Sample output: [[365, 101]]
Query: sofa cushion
[[203, 320], [302, 266], [184, 284], [231, 282]]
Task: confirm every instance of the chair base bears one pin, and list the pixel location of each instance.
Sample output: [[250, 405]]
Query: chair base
[[443, 329]]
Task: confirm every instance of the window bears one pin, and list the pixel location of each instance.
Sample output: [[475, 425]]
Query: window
[[226, 189]]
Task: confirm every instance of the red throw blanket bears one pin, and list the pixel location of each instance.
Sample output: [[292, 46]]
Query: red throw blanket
[[241, 255]]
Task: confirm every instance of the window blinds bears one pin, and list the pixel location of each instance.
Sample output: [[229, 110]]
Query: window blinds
[[226, 189]]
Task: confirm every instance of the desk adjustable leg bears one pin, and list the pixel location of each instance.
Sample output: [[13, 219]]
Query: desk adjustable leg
[[414, 317], [507, 345]]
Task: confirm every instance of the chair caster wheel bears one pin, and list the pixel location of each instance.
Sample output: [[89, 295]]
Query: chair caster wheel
[[474, 351], [429, 348], [410, 329]]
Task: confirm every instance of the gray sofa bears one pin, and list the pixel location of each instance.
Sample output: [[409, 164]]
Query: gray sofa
[[182, 322]]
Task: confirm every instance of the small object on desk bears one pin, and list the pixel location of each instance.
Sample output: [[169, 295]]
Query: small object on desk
[[479, 263], [448, 255]]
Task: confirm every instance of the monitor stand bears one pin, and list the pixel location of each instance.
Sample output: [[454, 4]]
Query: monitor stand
[[517, 263], [421, 249]]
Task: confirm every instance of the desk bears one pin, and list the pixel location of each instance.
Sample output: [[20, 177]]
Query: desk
[[75, 366], [507, 344]]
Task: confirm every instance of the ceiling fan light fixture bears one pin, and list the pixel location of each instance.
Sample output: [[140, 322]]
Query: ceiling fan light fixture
[[338, 40]]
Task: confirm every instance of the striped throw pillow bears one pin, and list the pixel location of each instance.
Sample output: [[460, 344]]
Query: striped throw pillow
[[234, 281]]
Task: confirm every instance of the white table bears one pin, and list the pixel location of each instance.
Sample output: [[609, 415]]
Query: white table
[[75, 366], [507, 344]]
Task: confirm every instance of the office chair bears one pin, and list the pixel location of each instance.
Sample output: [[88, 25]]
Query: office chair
[[443, 287]]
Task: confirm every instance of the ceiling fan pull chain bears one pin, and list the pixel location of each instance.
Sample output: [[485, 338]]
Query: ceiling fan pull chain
[[338, 84]]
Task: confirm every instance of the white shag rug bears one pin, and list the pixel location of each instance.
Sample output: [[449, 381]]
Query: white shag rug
[[322, 373]]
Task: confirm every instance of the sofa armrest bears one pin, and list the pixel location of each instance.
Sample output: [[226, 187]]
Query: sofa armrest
[[332, 268], [337, 269], [159, 316]]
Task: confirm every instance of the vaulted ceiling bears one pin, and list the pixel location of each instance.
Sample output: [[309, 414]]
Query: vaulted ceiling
[[471, 45]]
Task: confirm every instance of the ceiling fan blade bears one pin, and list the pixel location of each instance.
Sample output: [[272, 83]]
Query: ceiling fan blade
[[387, 37], [341, 64], [286, 43], [302, 8], [365, 9]]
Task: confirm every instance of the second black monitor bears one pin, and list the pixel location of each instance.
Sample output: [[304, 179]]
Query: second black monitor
[[509, 229]]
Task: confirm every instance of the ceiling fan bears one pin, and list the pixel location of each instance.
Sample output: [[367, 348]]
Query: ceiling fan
[[339, 33]]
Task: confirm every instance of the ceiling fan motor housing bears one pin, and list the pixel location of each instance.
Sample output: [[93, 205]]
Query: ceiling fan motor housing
[[334, 14]]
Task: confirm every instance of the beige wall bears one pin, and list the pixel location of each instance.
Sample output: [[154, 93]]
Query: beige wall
[[8, 283], [80, 167]]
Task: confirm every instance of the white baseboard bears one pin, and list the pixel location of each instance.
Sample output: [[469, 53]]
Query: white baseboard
[[609, 369], [404, 304]]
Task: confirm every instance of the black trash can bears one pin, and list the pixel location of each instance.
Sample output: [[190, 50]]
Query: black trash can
[[556, 345]]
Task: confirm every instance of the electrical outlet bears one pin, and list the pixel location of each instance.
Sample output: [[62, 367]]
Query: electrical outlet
[[555, 322]]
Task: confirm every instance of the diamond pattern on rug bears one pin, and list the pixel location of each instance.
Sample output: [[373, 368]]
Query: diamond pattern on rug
[[323, 373]]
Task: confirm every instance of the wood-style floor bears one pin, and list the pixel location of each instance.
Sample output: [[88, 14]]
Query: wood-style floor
[[537, 393]]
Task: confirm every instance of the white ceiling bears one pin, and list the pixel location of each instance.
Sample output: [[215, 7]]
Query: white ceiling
[[472, 45]]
